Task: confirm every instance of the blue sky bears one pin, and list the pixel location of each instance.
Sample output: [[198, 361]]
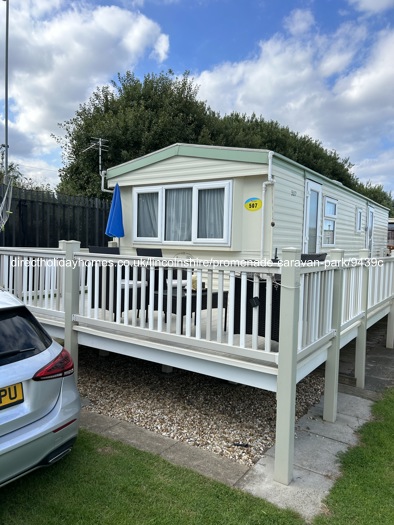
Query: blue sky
[[324, 68]]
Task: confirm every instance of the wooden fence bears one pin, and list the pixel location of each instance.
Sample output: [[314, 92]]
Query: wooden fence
[[41, 219]]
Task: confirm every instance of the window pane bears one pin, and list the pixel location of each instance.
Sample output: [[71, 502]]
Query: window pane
[[210, 214], [359, 220], [147, 214], [331, 208], [178, 214], [329, 232], [312, 226]]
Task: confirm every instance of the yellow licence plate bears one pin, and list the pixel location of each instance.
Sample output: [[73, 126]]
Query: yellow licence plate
[[11, 395]]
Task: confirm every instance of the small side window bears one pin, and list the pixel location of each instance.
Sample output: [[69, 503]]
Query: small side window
[[329, 224], [359, 220]]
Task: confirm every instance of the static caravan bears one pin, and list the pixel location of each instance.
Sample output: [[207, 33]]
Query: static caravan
[[236, 203]]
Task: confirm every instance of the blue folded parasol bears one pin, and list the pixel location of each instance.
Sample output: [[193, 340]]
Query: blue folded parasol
[[115, 218]]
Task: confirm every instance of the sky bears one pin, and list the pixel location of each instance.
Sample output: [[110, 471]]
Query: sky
[[323, 68]]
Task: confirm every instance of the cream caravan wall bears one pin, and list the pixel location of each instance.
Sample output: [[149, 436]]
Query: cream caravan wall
[[347, 237], [246, 180], [178, 169], [249, 187], [288, 207], [288, 215], [380, 233], [245, 228], [278, 223]]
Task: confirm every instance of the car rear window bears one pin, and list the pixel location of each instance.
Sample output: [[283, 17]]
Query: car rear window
[[21, 335]]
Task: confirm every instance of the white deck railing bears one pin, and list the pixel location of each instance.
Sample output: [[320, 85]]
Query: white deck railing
[[35, 276], [220, 321], [380, 281], [316, 301], [234, 308], [168, 297], [352, 304]]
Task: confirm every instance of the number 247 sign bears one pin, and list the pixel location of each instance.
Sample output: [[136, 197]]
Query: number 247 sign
[[253, 204]]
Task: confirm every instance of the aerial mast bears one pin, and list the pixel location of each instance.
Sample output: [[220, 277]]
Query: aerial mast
[[101, 145], [6, 201], [5, 145]]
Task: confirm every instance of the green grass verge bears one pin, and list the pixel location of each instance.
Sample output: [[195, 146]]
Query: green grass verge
[[104, 482], [364, 495]]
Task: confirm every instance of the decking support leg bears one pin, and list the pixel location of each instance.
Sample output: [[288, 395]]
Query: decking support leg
[[361, 339], [332, 364], [390, 328], [287, 367], [361, 356]]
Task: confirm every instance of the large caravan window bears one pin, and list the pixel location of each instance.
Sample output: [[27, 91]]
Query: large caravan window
[[192, 214]]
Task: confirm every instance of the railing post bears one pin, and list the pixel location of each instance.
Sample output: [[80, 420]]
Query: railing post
[[390, 317], [71, 300], [361, 339], [332, 363], [287, 365], [390, 327]]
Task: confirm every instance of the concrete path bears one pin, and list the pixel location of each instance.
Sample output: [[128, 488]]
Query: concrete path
[[317, 443], [316, 464]]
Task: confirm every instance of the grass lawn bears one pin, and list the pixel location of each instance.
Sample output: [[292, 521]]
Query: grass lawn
[[104, 482], [364, 495]]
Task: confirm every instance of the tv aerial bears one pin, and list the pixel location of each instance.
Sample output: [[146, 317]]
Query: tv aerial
[[101, 145]]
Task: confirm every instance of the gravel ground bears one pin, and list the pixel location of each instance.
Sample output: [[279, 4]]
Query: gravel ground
[[232, 420]]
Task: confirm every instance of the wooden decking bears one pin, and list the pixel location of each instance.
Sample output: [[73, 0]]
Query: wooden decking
[[322, 308], [201, 356]]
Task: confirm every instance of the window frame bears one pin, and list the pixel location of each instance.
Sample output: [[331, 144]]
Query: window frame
[[332, 217], [225, 240], [359, 220], [195, 240], [136, 193]]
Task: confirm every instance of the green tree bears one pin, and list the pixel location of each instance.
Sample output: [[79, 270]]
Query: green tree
[[137, 117], [253, 132]]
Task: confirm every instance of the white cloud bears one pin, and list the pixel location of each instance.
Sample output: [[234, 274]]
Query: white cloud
[[333, 87], [279, 83], [339, 51], [372, 6], [57, 61], [141, 3], [38, 8], [377, 169], [299, 22], [161, 49]]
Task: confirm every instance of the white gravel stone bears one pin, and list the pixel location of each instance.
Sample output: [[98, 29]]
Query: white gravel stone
[[232, 420]]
